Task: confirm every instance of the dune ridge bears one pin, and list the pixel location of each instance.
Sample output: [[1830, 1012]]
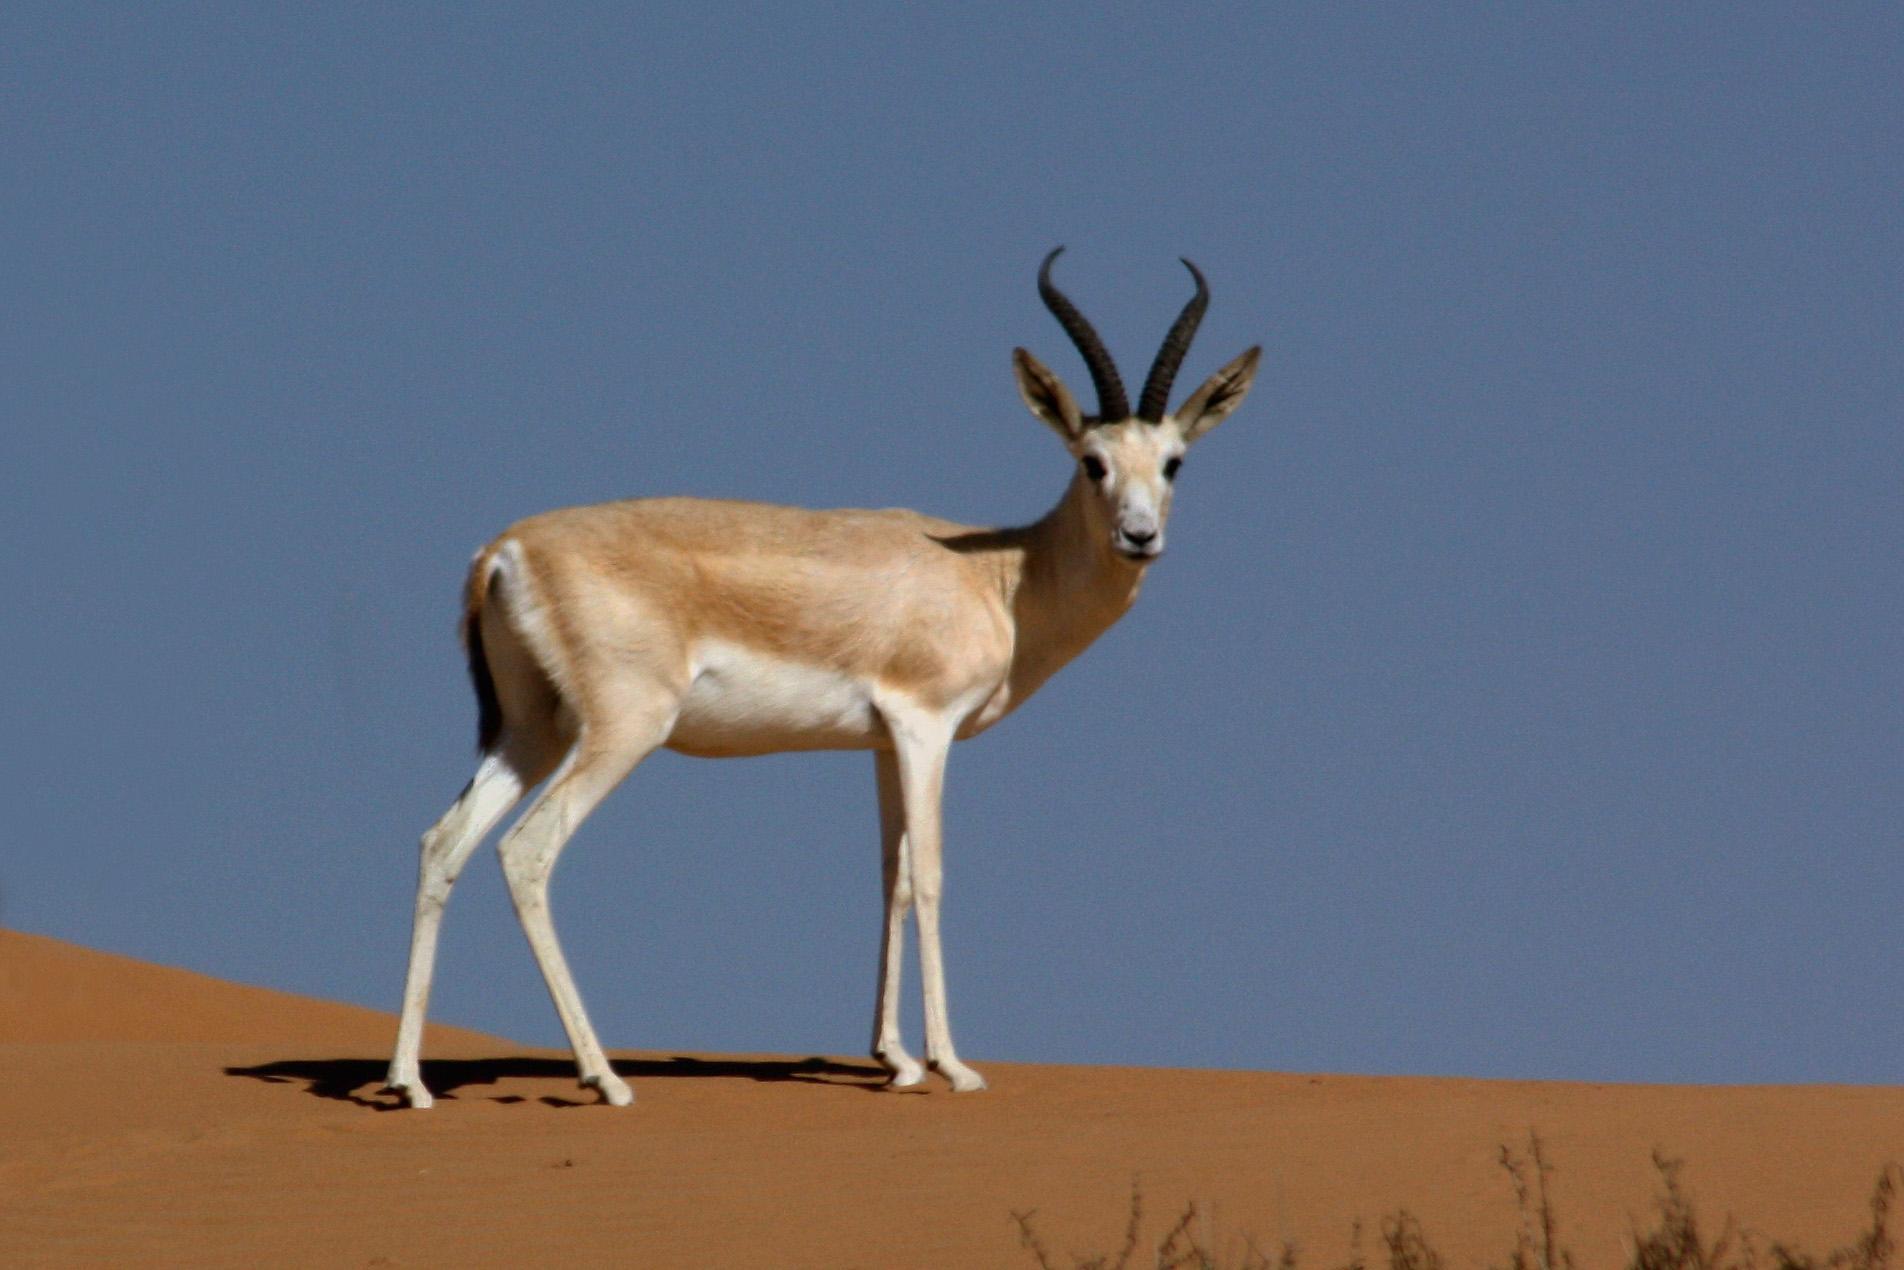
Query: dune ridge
[[52, 990], [153, 1116]]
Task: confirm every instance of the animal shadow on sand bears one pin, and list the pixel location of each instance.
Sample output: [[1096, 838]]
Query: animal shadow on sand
[[360, 1080]]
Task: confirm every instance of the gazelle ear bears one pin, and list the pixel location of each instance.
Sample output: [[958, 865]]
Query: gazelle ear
[[1047, 396], [1221, 394]]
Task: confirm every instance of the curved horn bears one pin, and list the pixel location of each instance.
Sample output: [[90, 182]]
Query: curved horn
[[1112, 405], [1156, 399]]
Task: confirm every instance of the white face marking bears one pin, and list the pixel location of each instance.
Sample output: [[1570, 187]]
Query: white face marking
[[1133, 494]]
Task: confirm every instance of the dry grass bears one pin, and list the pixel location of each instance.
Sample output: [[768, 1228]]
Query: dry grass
[[1675, 1241]]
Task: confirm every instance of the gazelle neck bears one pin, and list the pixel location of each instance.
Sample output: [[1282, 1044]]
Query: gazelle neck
[[1070, 586]]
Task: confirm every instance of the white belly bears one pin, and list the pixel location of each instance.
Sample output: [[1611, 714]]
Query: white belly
[[746, 702]]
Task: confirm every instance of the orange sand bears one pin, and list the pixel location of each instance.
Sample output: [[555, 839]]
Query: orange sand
[[150, 1116]]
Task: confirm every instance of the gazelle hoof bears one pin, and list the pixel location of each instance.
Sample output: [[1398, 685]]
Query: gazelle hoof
[[964, 1079], [613, 1089], [902, 1069], [414, 1096], [406, 1082]]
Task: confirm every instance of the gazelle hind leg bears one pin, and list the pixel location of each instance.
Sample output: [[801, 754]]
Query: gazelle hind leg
[[601, 758], [499, 784], [896, 887], [921, 742]]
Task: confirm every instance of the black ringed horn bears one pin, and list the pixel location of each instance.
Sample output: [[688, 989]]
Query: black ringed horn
[[1163, 372], [1112, 405]]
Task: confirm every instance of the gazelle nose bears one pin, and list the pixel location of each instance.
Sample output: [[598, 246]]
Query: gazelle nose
[[1140, 537]]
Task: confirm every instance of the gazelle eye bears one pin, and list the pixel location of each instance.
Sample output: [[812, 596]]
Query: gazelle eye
[[1093, 467], [1170, 468]]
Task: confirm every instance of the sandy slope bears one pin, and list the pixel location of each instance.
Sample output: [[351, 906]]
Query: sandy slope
[[151, 1116]]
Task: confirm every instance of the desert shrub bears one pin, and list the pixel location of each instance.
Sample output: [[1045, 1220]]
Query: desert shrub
[[1673, 1242]]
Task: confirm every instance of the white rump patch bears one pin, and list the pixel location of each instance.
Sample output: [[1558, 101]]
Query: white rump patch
[[526, 612]]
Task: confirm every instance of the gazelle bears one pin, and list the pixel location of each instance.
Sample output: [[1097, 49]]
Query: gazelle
[[597, 634]]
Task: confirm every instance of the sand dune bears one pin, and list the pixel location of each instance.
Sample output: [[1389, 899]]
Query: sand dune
[[153, 1116]]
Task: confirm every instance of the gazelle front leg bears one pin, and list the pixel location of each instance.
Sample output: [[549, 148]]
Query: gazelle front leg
[[896, 887], [921, 741]]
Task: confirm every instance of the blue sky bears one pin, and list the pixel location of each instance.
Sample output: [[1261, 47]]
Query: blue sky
[[1521, 695]]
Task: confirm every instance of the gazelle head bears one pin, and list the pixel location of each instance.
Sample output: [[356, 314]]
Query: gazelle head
[[1127, 462]]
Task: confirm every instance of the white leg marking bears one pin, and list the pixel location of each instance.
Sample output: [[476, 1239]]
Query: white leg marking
[[496, 787], [921, 742], [529, 851], [896, 879]]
